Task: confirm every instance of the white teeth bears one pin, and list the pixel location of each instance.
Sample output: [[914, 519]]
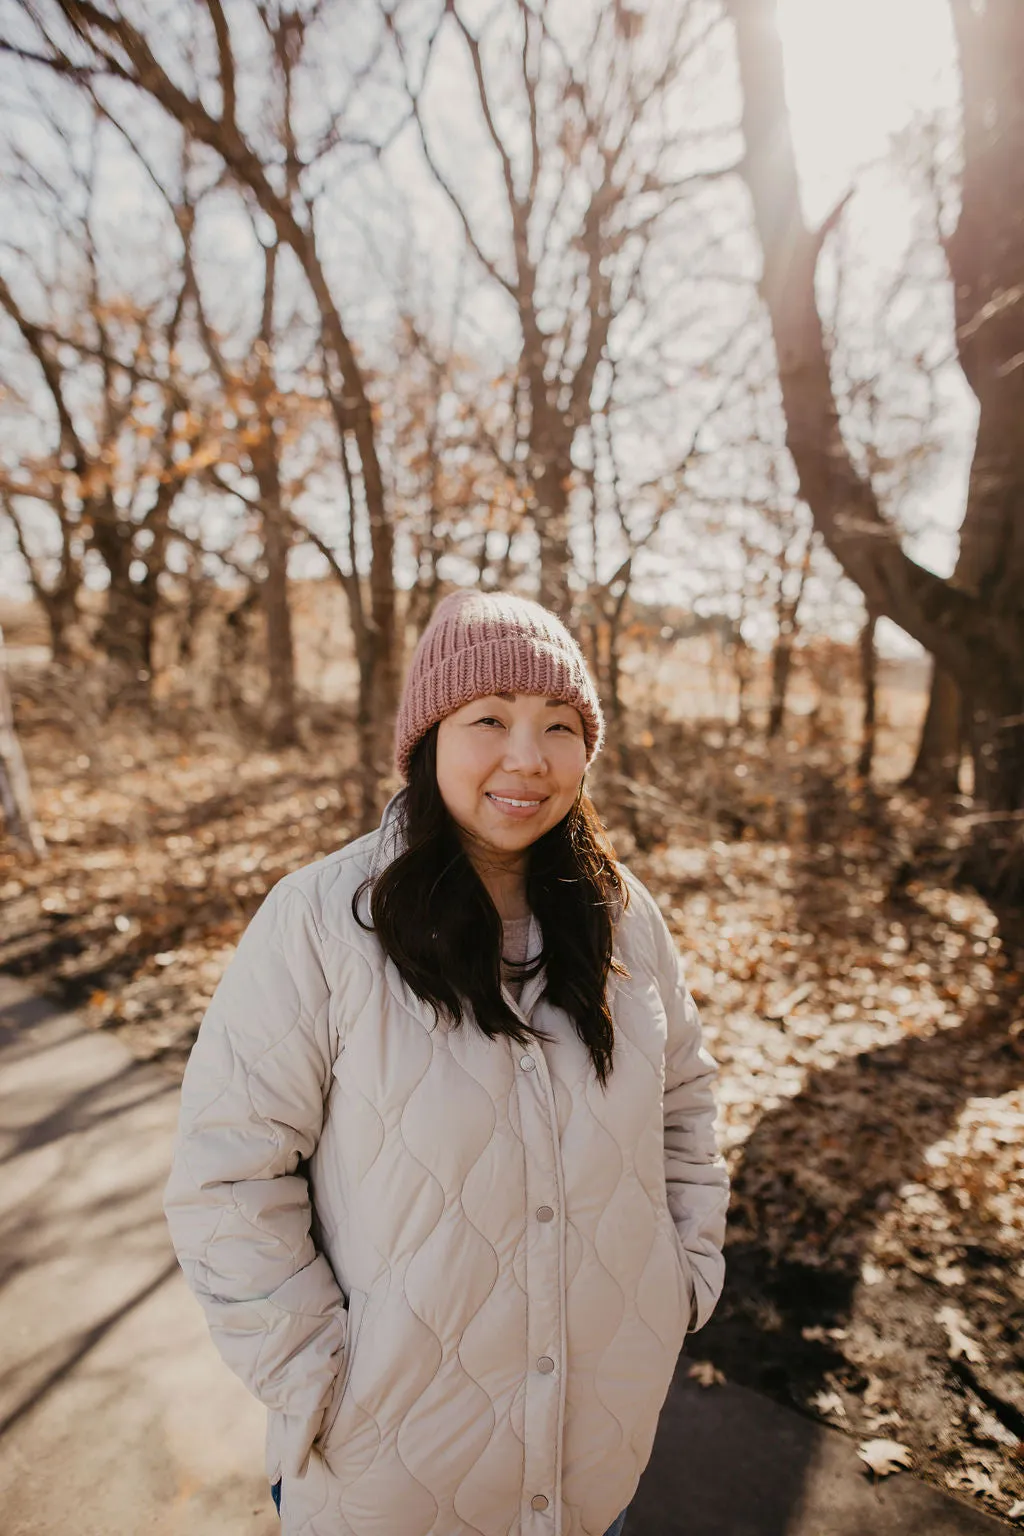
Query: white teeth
[[504, 800]]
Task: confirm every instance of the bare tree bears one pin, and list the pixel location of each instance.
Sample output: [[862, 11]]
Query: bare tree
[[122, 446], [588, 171], [978, 635], [266, 155]]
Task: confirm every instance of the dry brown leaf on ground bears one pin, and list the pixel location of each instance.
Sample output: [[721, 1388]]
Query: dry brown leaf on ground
[[707, 1373], [790, 1001], [885, 1456], [960, 1342], [887, 1418], [974, 1480]]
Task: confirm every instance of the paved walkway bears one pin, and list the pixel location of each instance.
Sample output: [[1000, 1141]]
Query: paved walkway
[[117, 1417]]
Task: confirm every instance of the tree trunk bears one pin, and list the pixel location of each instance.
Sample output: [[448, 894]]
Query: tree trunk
[[739, 655], [936, 769], [869, 689], [782, 666], [282, 730], [551, 520], [787, 610], [122, 630], [15, 791], [60, 607], [617, 717], [281, 718]]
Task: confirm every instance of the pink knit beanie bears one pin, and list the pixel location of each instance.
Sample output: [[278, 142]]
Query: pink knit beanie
[[489, 642]]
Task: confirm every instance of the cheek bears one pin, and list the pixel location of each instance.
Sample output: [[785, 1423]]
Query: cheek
[[460, 769], [572, 765]]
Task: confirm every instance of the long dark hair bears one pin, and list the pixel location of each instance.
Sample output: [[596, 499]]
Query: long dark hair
[[435, 919]]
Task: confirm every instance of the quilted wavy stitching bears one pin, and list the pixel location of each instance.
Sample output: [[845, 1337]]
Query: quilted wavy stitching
[[421, 1173]]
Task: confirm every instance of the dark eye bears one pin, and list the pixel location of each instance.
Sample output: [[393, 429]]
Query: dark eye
[[561, 726], [488, 720]]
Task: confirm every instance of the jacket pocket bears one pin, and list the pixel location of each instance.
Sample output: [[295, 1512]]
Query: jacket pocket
[[689, 1289], [356, 1304]]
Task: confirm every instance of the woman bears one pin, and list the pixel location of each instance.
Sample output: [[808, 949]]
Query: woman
[[446, 1182]]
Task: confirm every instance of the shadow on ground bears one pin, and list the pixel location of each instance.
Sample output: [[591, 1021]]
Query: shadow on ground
[[116, 1415]]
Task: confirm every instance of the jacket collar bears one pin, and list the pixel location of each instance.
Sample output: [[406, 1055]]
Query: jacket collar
[[390, 835]]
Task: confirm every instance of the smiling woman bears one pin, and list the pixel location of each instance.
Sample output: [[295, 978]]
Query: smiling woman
[[450, 1224]]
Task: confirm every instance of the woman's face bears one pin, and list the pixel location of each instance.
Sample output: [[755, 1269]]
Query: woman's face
[[509, 767]]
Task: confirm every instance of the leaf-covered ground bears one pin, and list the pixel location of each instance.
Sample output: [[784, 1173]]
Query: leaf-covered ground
[[865, 1012]]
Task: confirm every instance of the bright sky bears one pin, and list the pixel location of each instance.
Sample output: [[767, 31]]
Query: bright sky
[[856, 72]]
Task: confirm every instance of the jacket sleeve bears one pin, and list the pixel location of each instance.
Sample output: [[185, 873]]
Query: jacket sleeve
[[237, 1206], [695, 1174]]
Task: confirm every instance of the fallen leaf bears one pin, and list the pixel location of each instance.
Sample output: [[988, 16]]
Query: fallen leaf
[[886, 1418], [707, 1373], [828, 1402], [884, 1456], [960, 1343], [790, 1001], [1016, 1511]]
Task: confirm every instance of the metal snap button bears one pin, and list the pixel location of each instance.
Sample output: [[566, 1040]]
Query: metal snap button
[[527, 1063], [539, 1501], [545, 1213], [545, 1365]]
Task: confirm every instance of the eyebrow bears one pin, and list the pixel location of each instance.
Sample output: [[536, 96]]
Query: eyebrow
[[510, 698]]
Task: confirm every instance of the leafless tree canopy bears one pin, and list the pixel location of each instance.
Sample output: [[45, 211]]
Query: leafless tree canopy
[[449, 292]]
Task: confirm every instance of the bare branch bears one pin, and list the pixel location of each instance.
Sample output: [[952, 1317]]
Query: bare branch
[[226, 57]]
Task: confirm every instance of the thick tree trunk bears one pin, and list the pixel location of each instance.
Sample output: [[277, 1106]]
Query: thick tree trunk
[[936, 767], [986, 258], [61, 608], [551, 519], [121, 633], [550, 470]]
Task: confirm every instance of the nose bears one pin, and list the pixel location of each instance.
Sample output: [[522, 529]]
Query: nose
[[524, 750]]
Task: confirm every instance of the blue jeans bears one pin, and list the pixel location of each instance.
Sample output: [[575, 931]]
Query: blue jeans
[[614, 1529]]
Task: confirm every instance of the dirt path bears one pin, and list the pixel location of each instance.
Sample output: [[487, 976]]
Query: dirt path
[[116, 1416]]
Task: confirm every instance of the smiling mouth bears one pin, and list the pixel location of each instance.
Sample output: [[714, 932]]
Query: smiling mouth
[[520, 804]]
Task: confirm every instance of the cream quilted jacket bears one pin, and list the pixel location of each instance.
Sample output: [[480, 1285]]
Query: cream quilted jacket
[[456, 1271]]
